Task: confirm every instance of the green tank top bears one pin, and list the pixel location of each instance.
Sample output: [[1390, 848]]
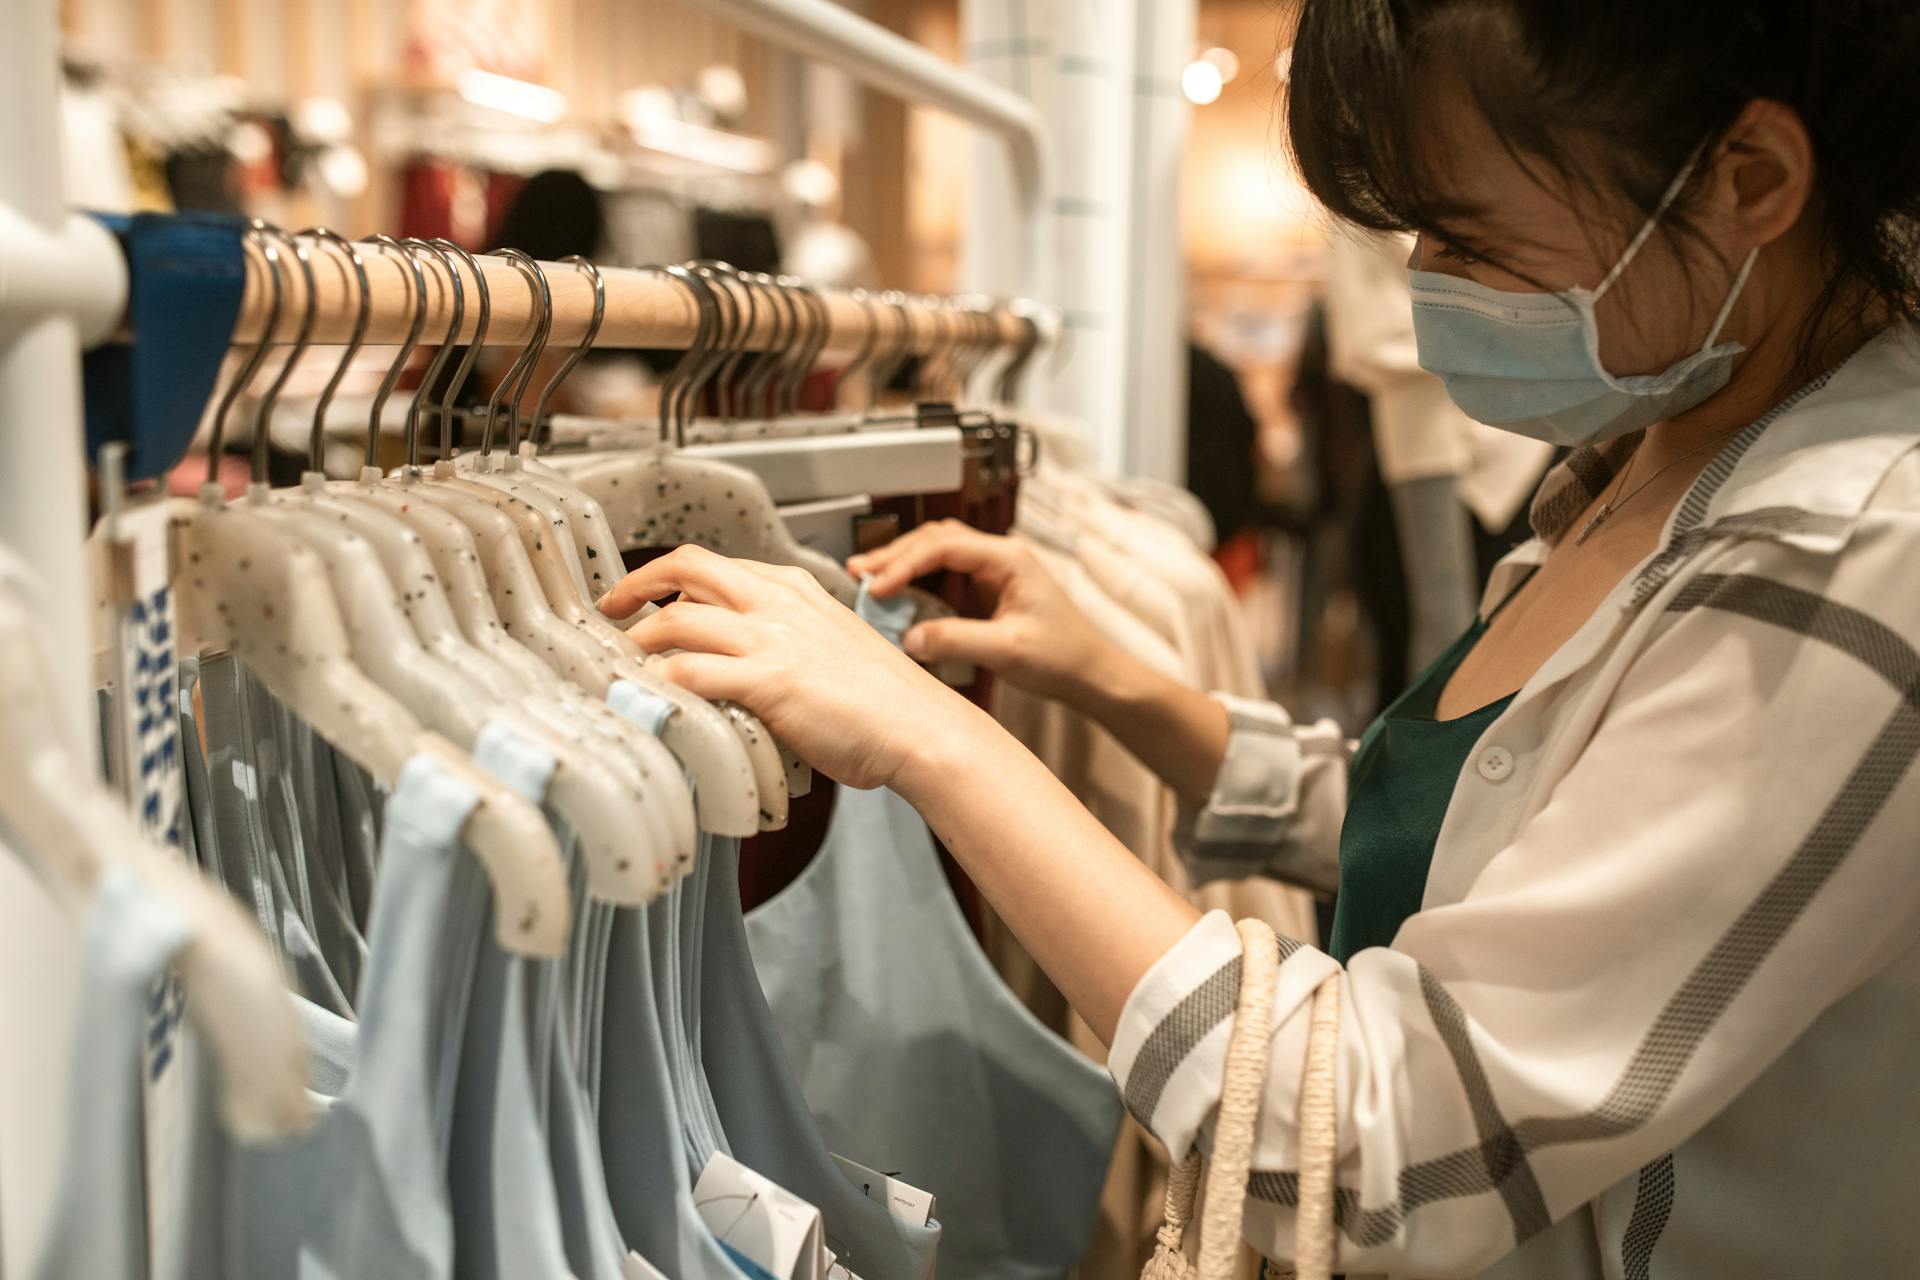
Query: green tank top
[[1398, 789]]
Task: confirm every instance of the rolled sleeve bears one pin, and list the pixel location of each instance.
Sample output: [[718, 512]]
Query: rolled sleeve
[[1169, 1047], [1276, 803]]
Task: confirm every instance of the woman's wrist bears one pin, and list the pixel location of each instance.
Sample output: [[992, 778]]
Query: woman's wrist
[[1115, 685], [945, 744]]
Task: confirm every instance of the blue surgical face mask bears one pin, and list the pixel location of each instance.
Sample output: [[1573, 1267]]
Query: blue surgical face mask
[[1530, 362]]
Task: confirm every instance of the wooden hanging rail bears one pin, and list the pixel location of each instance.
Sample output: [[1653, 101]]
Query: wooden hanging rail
[[644, 308]]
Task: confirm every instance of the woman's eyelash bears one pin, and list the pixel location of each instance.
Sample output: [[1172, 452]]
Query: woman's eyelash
[[1461, 256]]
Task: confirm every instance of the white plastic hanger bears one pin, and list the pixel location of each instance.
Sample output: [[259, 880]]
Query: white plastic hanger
[[570, 511], [437, 553], [246, 584], [541, 609], [387, 580], [77, 832], [656, 497]]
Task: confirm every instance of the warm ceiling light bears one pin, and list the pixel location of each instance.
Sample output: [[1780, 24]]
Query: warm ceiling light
[[515, 97], [1201, 82], [1226, 60]]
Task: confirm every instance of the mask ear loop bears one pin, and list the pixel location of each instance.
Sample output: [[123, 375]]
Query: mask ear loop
[[1733, 296], [1647, 228]]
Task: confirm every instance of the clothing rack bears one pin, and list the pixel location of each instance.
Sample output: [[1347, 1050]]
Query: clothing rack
[[64, 287], [644, 308]]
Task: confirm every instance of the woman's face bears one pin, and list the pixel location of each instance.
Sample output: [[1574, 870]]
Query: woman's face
[[1542, 237]]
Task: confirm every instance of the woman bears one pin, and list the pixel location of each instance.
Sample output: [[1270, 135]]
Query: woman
[[1629, 886]]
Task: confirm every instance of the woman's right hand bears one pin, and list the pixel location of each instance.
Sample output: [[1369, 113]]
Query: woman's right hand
[[1035, 639]]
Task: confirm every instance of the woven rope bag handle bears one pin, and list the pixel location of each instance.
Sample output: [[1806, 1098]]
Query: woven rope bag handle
[[1242, 1081], [1313, 1223]]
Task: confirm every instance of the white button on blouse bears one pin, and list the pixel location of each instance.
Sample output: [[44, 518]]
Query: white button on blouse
[[1495, 764]]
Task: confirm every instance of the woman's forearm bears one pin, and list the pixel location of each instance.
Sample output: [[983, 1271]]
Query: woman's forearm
[[1089, 912], [1178, 732]]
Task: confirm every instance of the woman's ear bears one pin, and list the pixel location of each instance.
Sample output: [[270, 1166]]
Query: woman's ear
[[1764, 175]]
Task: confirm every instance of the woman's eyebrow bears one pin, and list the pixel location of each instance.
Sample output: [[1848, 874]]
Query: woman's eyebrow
[[1480, 225]]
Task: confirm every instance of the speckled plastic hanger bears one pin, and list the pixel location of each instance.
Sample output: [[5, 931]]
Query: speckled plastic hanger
[[245, 583]]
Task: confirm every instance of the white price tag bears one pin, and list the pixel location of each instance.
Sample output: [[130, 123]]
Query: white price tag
[[904, 1201], [761, 1220]]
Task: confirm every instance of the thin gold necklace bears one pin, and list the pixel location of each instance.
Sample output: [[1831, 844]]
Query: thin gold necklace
[[1618, 501]]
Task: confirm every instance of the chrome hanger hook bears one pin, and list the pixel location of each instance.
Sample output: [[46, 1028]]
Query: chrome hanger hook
[[884, 371], [935, 375], [520, 373], [316, 439], [263, 411], [579, 353], [741, 319], [986, 334], [785, 322], [793, 369], [869, 342], [440, 356], [705, 276], [387, 243], [257, 233], [1008, 389], [819, 330], [727, 383], [706, 309], [483, 320]]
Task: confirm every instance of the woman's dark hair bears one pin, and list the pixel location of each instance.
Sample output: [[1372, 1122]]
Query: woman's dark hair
[[1609, 98]]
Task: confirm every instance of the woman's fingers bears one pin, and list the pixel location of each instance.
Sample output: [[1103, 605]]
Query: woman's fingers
[[786, 575], [988, 644], [694, 572], [714, 677], [945, 544], [703, 628]]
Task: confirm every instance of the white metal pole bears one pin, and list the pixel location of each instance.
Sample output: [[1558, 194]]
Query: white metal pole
[[1155, 394], [43, 520], [868, 52]]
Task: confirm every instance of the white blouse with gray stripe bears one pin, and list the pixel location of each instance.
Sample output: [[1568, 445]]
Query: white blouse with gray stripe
[[1658, 1014]]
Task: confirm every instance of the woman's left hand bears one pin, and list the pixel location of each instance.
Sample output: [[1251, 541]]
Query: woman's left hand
[[770, 638]]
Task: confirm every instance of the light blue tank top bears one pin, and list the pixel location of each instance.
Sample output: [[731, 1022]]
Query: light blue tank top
[[365, 1192], [99, 1219], [913, 1054], [506, 1212]]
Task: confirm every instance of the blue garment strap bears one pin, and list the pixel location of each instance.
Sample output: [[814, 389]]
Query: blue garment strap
[[748, 1267], [642, 706], [186, 275], [891, 618]]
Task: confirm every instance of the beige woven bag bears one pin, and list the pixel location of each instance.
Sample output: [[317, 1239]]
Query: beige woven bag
[[1244, 1079]]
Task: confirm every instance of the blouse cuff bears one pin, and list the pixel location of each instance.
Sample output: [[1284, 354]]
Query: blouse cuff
[[1254, 794], [1175, 1024], [1169, 1047]]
